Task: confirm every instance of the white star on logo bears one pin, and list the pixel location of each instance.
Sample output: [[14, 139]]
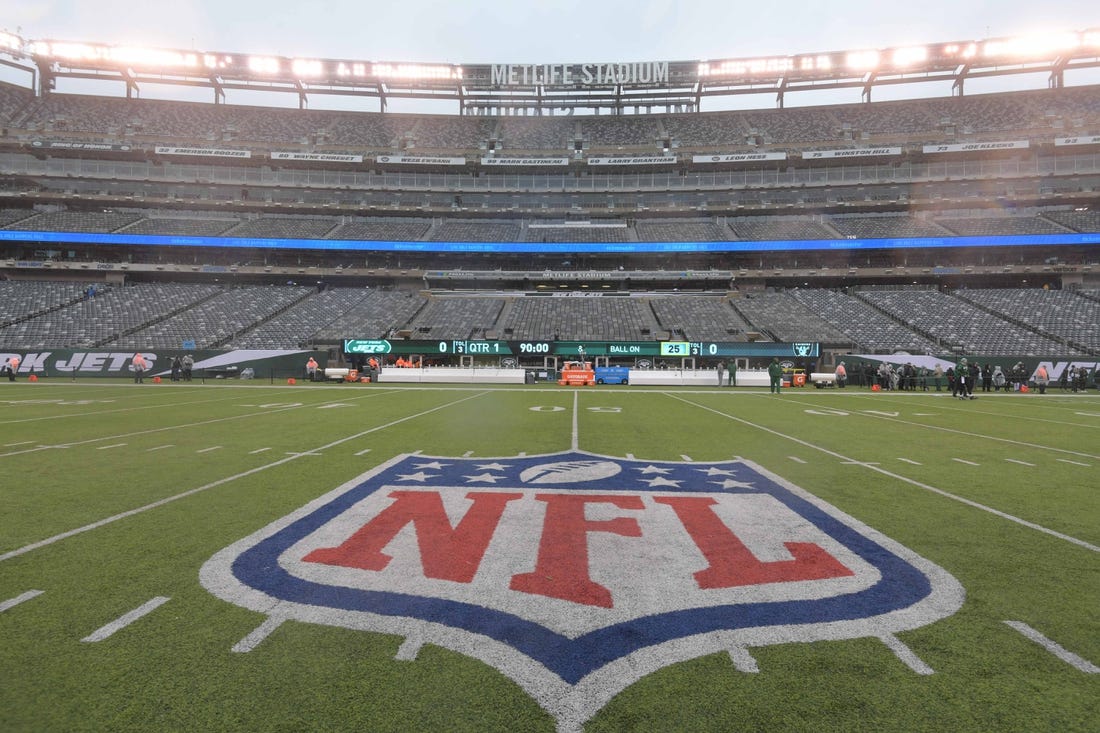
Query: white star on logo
[[661, 481], [418, 476], [712, 471], [484, 478], [434, 465], [652, 469], [492, 466], [731, 484]]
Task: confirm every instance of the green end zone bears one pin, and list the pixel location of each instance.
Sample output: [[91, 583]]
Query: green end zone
[[115, 497]]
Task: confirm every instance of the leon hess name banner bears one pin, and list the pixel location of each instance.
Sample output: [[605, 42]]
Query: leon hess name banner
[[738, 157]]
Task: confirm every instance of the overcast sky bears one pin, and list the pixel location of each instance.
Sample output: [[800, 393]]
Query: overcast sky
[[547, 31]]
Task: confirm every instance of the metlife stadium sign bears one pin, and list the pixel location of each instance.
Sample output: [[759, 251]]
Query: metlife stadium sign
[[644, 72]]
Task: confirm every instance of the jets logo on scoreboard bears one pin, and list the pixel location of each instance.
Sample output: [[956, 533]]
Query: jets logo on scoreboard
[[576, 574]]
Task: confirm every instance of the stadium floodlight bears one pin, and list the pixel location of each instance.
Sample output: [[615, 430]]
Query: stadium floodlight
[[153, 57], [307, 67], [416, 71], [263, 64], [354, 68], [910, 56], [1032, 46], [741, 67], [9, 41], [862, 60]]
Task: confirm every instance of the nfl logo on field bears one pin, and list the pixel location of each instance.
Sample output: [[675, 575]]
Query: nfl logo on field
[[576, 574]]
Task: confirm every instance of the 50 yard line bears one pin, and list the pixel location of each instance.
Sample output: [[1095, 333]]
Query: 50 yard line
[[213, 484]]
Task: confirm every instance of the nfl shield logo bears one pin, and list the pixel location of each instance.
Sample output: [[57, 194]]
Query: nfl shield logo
[[577, 574]]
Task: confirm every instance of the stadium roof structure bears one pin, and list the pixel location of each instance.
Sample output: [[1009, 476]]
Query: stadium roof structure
[[547, 88]]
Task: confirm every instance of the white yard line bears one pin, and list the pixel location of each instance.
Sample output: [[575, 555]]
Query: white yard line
[[13, 602], [167, 500], [1055, 648], [174, 427], [743, 660], [963, 460], [130, 408], [898, 477], [905, 654], [258, 634], [574, 443], [125, 620]]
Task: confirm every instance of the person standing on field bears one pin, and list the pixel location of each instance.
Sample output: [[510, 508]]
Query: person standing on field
[[721, 373], [775, 375], [733, 373], [139, 364]]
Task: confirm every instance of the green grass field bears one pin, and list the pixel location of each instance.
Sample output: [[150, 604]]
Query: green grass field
[[114, 495]]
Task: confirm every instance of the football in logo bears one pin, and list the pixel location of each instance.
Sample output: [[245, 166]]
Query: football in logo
[[576, 575]]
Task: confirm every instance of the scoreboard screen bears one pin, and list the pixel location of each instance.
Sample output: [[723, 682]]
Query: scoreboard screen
[[580, 349]]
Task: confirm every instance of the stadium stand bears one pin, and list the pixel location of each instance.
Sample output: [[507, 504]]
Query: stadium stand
[[771, 228], [377, 314], [456, 317], [1044, 189], [885, 226], [1059, 314], [400, 230], [870, 329], [280, 228], [457, 230], [998, 225], [75, 221], [701, 318], [680, 231], [616, 319], [215, 320], [785, 319], [531, 133], [96, 320], [20, 300], [956, 325]]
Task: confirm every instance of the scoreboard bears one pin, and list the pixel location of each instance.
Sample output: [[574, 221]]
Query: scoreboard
[[708, 349], [585, 349]]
